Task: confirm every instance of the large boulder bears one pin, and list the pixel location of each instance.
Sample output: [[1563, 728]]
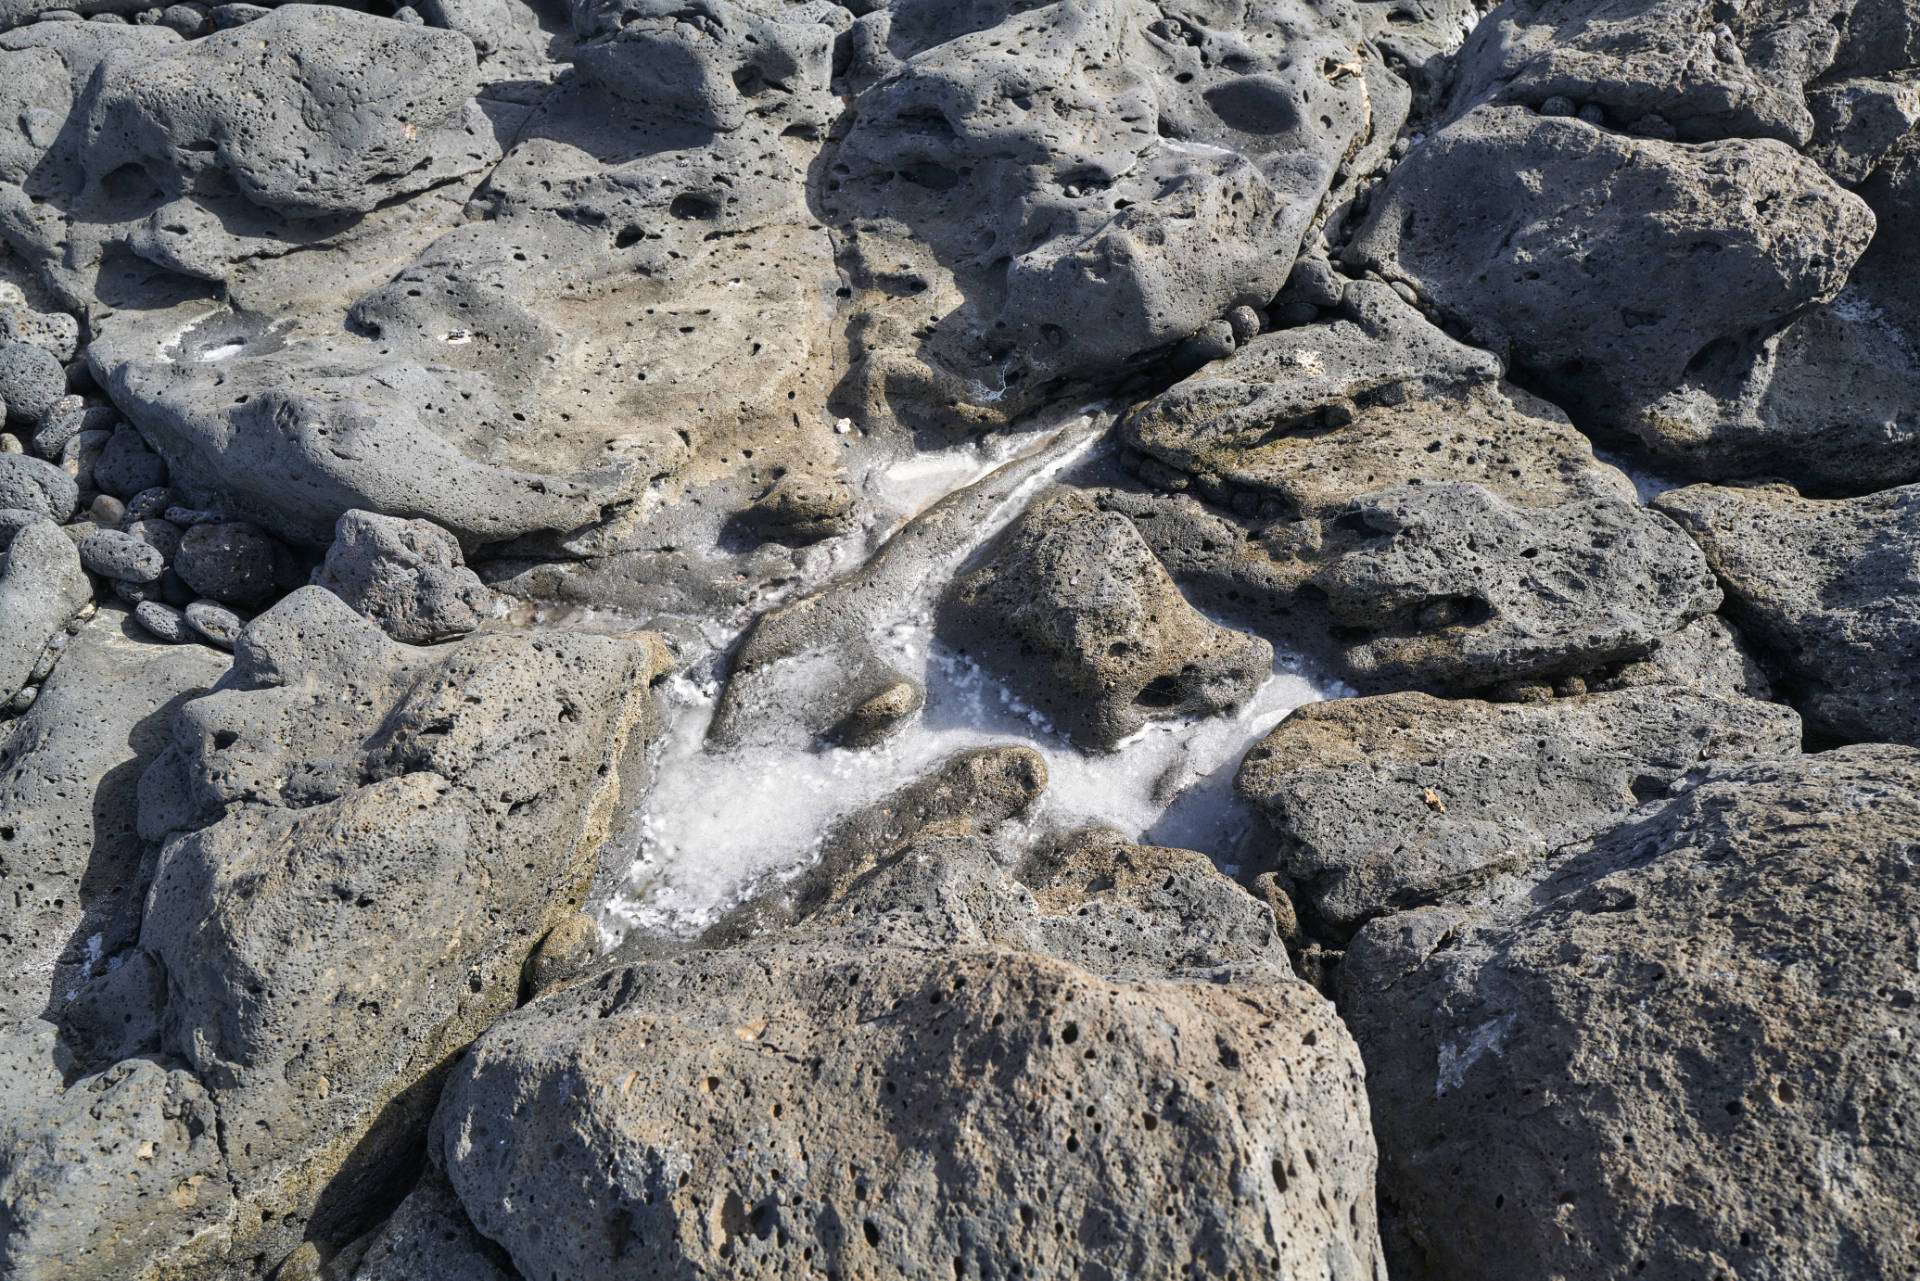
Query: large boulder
[[1066, 186], [1384, 803], [1071, 608], [1447, 587], [71, 888], [941, 1069], [1305, 419], [1683, 1048], [1606, 263], [310, 110], [42, 587], [1829, 588], [359, 844]]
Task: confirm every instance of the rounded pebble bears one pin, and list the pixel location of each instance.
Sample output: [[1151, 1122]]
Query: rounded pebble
[[55, 331], [38, 486], [31, 381], [164, 621], [1245, 323], [231, 563], [122, 557], [10, 444], [107, 510], [1592, 114], [1557, 106], [214, 621], [24, 699]]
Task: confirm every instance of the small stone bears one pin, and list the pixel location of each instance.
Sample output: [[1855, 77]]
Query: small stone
[[31, 381], [1245, 323], [126, 465], [1654, 126], [1406, 292], [10, 444], [1215, 342], [32, 484], [214, 621], [229, 563], [1592, 114], [67, 420], [1315, 281], [135, 593], [164, 621], [190, 20], [107, 510], [149, 504], [161, 535], [24, 699], [122, 557], [1557, 106], [56, 331], [237, 15], [174, 590], [192, 516], [1290, 314]]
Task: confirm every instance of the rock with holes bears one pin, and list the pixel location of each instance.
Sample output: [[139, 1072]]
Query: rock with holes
[[108, 1177], [1388, 802], [71, 879], [1447, 587], [359, 843], [311, 110], [1044, 193], [1686, 68], [1828, 589], [34, 485], [1829, 396], [940, 1070], [42, 587], [406, 575], [1073, 610], [429, 1238], [1685, 1047], [1607, 264], [1305, 419]]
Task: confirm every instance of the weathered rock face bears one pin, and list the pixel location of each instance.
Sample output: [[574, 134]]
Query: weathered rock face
[[1448, 587], [1384, 803], [406, 575], [1133, 171], [42, 587], [1828, 587], [937, 1009], [307, 111], [111, 1175], [1072, 608], [1654, 1053], [1303, 420], [1607, 263], [71, 889], [1684, 68], [359, 843]]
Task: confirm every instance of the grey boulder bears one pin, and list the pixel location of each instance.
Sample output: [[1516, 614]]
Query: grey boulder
[[1654, 1054], [1388, 802], [71, 884], [1073, 610], [1608, 263], [406, 575], [1829, 588], [42, 587], [360, 842], [941, 1066]]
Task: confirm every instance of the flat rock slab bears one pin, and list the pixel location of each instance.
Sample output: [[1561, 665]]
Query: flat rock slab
[[1383, 803]]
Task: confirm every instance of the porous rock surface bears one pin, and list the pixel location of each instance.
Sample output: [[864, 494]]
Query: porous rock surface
[[1830, 586], [1387, 802], [940, 1065], [958, 443], [1653, 1053], [1071, 604]]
